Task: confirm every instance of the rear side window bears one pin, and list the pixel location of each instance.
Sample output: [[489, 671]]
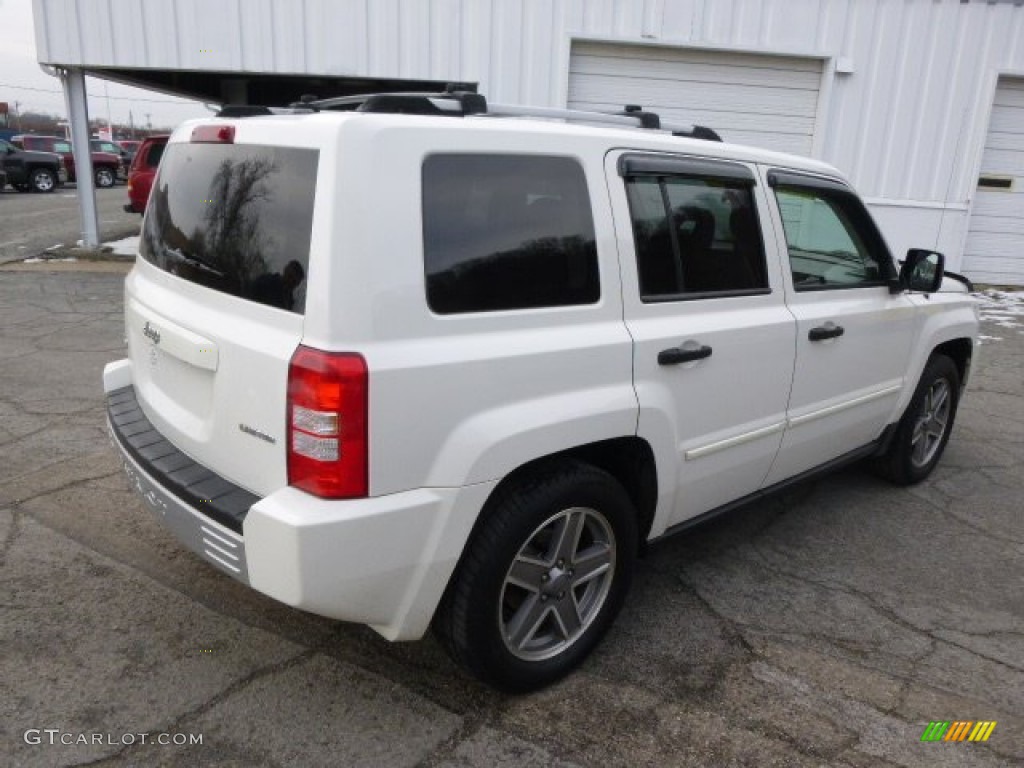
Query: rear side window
[[695, 237], [505, 232], [235, 218], [156, 151]]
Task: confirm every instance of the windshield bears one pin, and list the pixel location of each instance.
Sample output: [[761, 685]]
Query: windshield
[[234, 218]]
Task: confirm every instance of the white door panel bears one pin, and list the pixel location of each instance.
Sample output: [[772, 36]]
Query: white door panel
[[727, 429], [844, 389]]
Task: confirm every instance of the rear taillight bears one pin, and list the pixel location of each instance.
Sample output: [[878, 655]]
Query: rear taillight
[[327, 415]]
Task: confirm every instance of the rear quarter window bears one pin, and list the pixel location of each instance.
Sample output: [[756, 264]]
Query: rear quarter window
[[507, 232], [234, 218], [154, 153]]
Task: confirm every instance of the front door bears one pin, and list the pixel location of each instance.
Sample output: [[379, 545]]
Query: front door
[[853, 336], [713, 339]]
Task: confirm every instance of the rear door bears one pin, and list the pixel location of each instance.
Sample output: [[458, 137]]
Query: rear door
[[215, 304], [853, 336], [713, 339]]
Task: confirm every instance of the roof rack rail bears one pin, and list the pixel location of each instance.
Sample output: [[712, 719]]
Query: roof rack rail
[[699, 132], [257, 110], [460, 100], [631, 117]]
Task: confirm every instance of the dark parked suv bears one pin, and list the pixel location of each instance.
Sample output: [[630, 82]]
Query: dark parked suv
[[27, 170]]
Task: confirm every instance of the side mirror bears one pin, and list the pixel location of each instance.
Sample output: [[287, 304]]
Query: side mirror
[[923, 270]]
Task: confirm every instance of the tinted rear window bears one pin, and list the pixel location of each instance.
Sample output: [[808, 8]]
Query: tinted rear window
[[156, 151], [507, 232], [235, 218]]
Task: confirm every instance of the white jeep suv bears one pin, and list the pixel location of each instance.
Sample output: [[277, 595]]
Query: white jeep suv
[[416, 360]]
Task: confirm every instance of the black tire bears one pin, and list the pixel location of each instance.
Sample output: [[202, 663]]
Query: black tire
[[105, 177], [42, 180], [923, 432], [587, 580]]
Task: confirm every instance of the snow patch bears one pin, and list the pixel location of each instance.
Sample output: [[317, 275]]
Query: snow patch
[[1001, 307], [128, 246]]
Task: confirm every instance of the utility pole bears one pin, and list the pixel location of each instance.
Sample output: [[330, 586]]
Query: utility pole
[[17, 116], [110, 123]]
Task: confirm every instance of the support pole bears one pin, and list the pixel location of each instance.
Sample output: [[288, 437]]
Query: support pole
[[78, 113]]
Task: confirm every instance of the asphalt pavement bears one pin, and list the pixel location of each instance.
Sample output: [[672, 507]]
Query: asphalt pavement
[[31, 223], [826, 627]]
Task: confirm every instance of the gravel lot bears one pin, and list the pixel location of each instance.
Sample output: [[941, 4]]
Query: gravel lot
[[32, 223], [825, 627]]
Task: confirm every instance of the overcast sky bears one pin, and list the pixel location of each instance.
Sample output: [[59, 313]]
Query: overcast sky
[[22, 81]]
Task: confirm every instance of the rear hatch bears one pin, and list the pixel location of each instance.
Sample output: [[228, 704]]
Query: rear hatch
[[214, 307]]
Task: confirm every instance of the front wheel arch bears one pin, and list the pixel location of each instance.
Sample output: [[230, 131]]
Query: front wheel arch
[[924, 428]]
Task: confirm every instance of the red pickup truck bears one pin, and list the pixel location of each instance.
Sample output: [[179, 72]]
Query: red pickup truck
[[107, 168]]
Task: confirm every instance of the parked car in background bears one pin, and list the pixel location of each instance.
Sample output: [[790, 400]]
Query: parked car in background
[[113, 148], [131, 146], [27, 170], [106, 167], [140, 175]]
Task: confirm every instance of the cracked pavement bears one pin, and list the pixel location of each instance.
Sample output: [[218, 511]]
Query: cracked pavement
[[827, 626]]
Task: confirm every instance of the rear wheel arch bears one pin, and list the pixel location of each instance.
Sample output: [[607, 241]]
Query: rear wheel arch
[[471, 618], [628, 459]]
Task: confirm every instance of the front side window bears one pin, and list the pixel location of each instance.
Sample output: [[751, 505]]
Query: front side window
[[507, 232], [831, 241], [234, 218], [695, 236]]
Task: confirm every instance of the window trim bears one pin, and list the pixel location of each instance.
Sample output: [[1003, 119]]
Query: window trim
[[635, 164], [663, 298], [836, 188]]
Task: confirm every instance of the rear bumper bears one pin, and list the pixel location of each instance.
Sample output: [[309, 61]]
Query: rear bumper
[[382, 561]]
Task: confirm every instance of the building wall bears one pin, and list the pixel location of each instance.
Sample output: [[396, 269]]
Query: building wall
[[906, 102]]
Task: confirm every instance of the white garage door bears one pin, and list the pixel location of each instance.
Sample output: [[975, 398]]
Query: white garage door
[[766, 101], [995, 241]]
